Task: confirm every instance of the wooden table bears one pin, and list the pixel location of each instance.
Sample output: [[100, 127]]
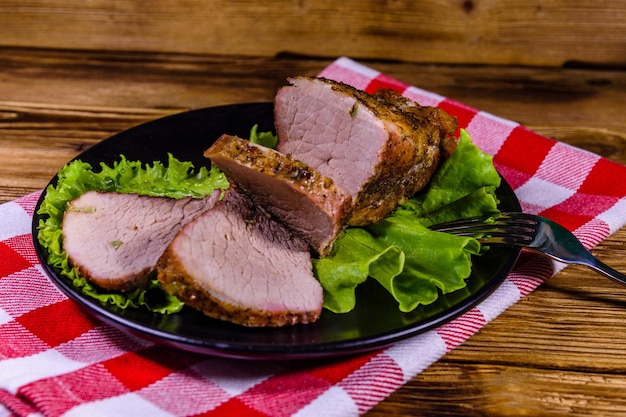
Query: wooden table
[[560, 350]]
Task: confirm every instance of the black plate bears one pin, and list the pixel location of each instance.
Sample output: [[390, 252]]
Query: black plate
[[376, 322]]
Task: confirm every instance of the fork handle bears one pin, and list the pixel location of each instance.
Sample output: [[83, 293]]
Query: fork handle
[[605, 270]]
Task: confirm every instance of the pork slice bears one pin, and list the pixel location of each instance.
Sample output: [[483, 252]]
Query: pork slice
[[378, 148], [115, 240], [236, 263], [308, 203]]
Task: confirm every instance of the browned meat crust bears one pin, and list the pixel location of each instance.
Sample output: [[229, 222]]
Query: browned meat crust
[[308, 203]]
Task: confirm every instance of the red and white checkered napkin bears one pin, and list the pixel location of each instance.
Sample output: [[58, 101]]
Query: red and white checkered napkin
[[55, 361]]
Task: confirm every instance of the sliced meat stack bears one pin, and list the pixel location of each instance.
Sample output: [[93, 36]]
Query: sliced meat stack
[[236, 263], [379, 148], [311, 205], [115, 240], [344, 157]]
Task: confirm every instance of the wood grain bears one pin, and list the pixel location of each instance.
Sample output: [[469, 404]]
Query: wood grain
[[55, 104], [503, 32], [561, 350]]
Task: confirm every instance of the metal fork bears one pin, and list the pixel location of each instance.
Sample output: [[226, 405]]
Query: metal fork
[[531, 232]]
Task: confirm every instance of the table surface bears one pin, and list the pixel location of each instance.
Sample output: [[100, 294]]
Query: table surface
[[562, 349]]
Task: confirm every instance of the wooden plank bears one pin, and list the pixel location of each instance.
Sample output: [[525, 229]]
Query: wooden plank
[[549, 33], [68, 101], [467, 390], [572, 98]]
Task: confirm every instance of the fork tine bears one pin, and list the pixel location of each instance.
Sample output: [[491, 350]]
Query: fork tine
[[505, 239], [478, 224], [518, 217], [504, 229]]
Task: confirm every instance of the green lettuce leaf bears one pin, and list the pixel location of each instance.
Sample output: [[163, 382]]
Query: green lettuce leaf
[[176, 180], [414, 264], [267, 139]]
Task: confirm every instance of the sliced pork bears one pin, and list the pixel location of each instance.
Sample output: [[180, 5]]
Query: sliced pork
[[379, 148], [311, 205], [115, 240], [236, 263]]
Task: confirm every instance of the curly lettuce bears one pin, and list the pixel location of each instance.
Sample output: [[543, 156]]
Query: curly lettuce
[[177, 179], [267, 139]]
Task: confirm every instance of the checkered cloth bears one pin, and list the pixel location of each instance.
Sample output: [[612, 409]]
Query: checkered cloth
[[55, 360]]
